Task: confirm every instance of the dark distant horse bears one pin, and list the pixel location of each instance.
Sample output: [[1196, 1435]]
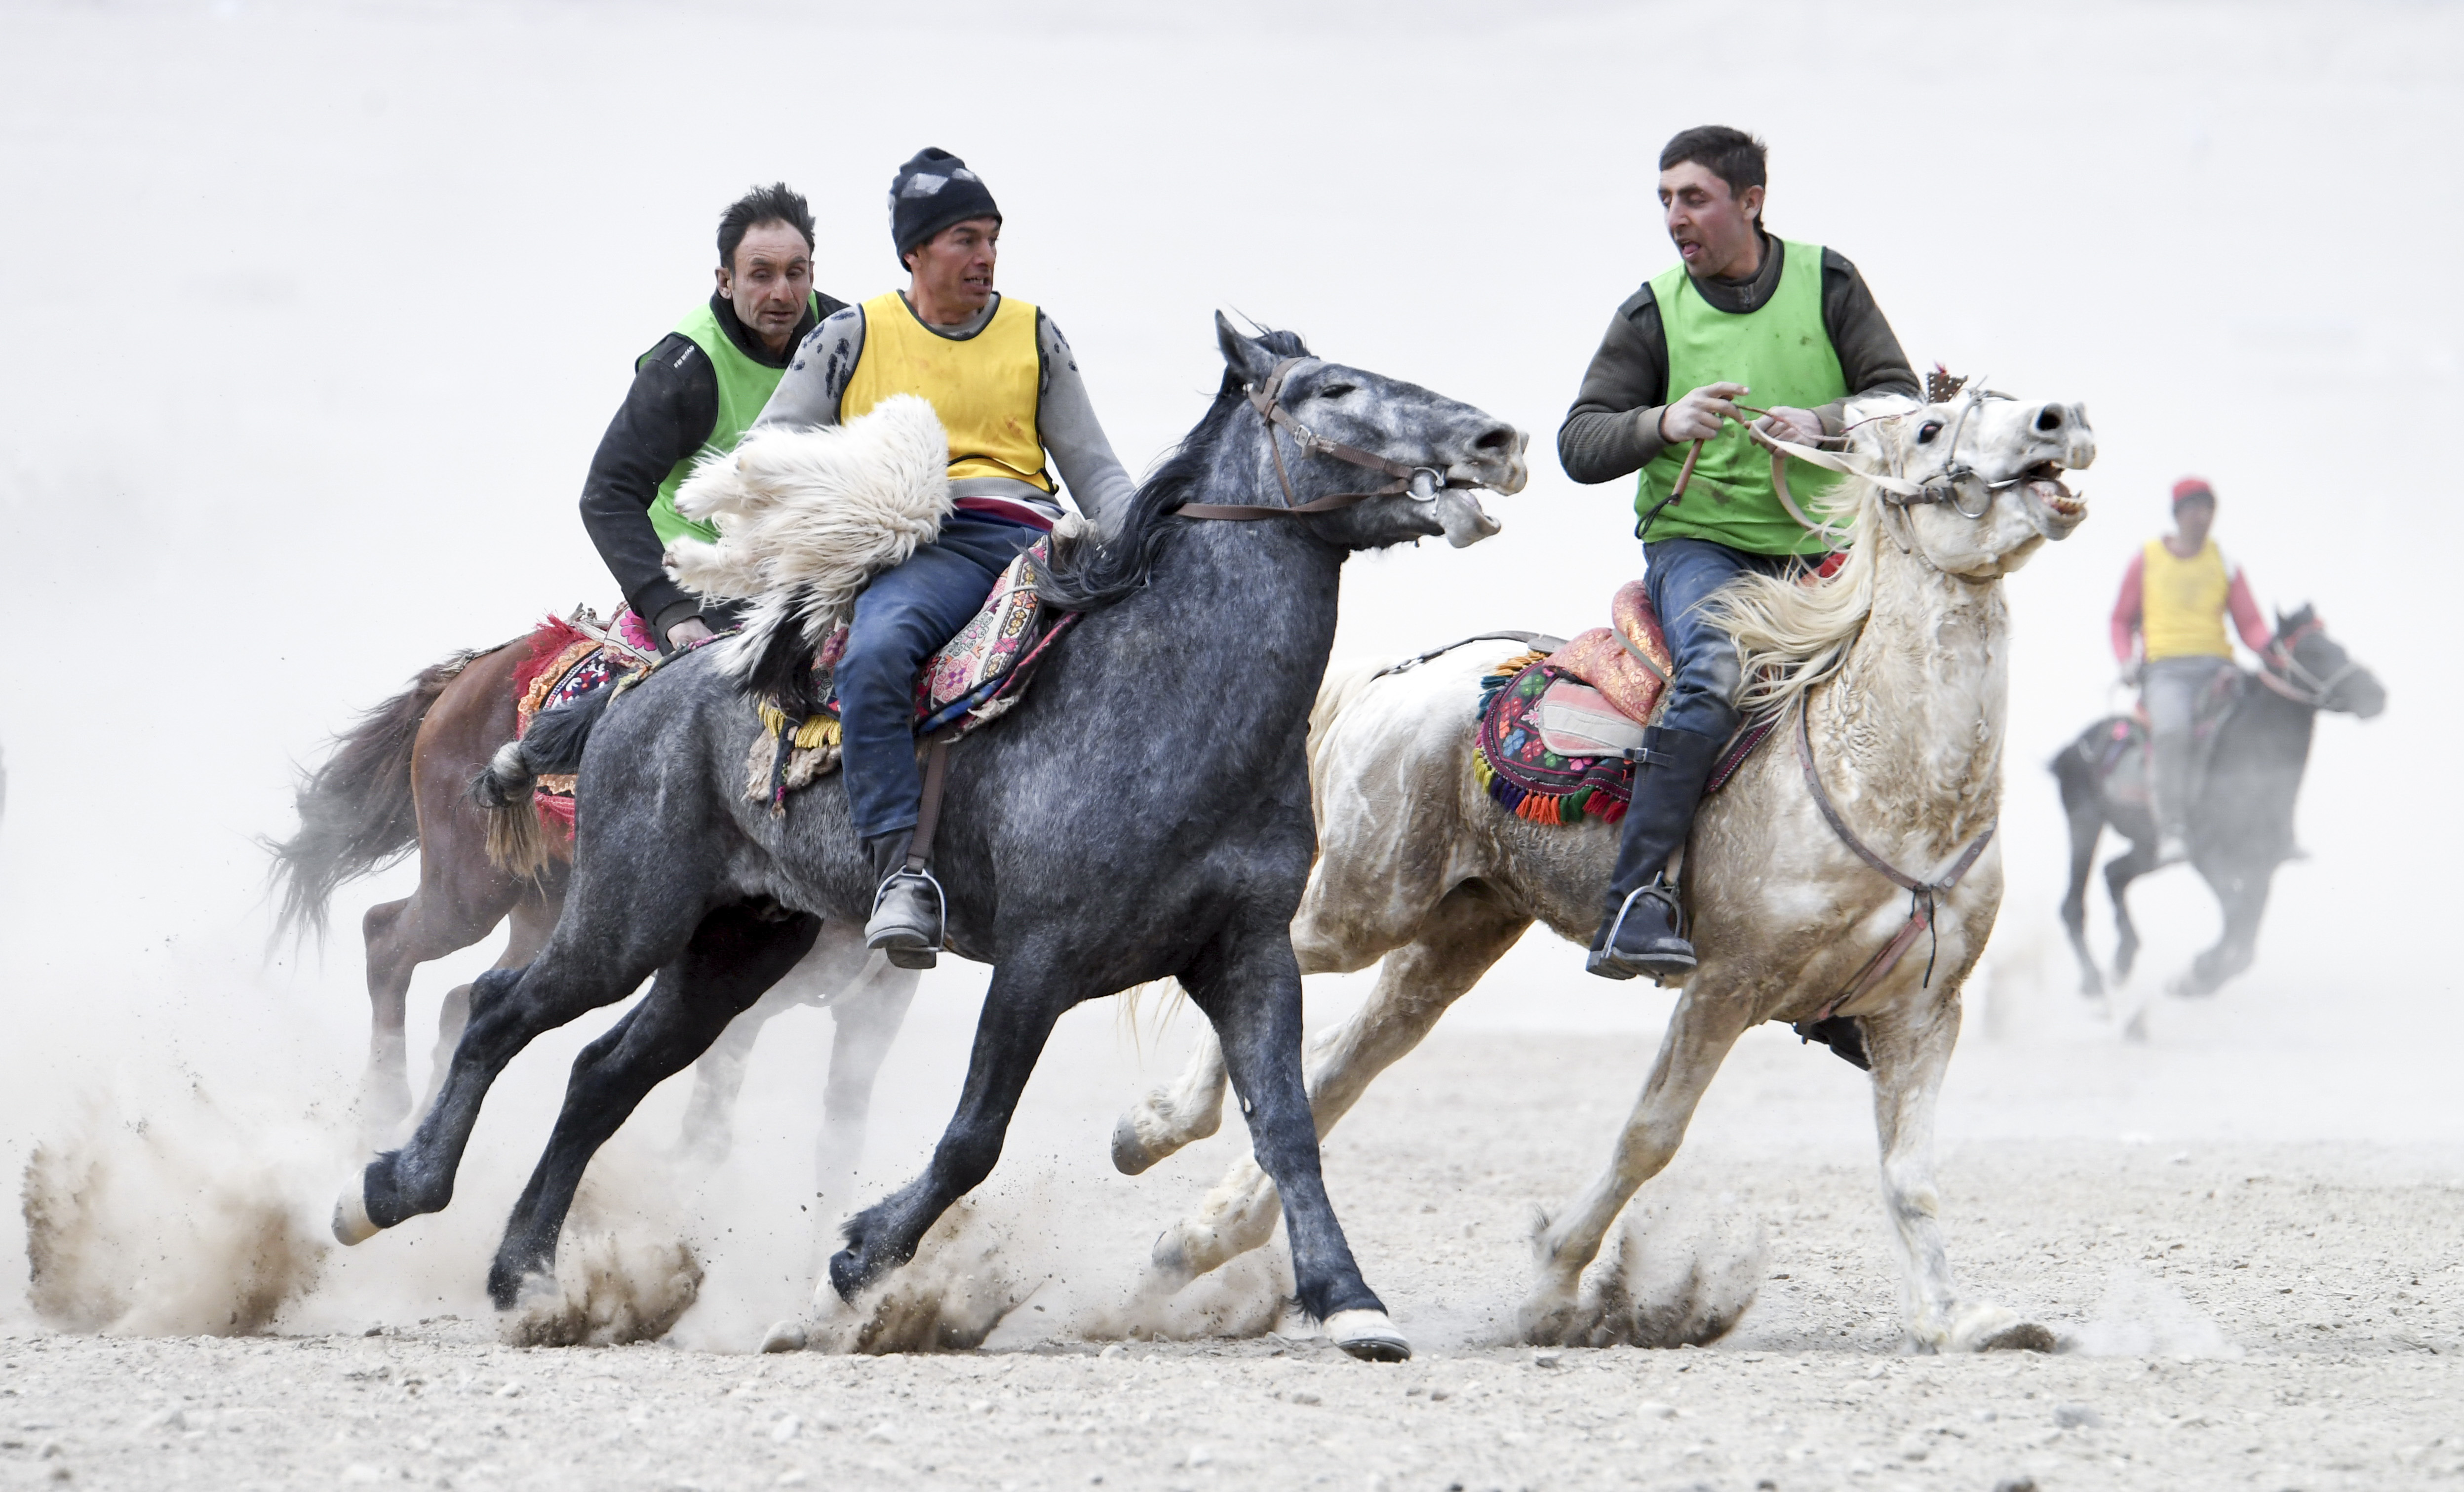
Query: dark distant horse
[[1143, 814], [397, 782], [2241, 822]]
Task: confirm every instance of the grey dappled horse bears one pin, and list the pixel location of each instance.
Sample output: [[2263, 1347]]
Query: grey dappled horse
[[1143, 814]]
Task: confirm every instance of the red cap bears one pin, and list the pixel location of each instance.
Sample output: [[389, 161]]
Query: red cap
[[2191, 487]]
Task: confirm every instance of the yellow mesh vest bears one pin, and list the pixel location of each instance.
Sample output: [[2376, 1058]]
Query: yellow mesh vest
[[984, 387], [2182, 602]]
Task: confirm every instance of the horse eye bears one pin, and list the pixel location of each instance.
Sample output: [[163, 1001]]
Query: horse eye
[[1337, 390], [1932, 429]]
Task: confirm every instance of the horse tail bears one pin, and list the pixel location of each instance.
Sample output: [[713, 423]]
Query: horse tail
[[356, 815], [505, 788]]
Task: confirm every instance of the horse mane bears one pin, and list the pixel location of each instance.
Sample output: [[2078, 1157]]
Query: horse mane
[[1791, 637], [1091, 571]]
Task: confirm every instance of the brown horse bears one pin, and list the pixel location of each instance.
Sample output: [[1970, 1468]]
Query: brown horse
[[398, 782]]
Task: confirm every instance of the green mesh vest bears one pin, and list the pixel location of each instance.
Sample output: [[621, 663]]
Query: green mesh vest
[[744, 386], [1784, 356]]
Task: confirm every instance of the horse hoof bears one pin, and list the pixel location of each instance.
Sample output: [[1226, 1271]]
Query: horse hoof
[[352, 1224], [2024, 1336], [1367, 1335], [786, 1336], [1129, 1154]]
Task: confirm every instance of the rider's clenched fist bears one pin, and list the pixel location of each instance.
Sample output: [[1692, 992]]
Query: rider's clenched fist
[[1698, 415]]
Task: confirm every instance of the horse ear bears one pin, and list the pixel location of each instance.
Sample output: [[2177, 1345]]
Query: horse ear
[[1248, 361]]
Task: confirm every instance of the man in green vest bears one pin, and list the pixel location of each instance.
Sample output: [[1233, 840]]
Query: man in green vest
[[1788, 326], [699, 390]]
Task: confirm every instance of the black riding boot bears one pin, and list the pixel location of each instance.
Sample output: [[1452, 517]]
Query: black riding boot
[[908, 910], [1644, 928]]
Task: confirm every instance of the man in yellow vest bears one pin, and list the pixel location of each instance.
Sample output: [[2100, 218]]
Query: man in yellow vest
[[698, 390], [2169, 634], [1746, 313], [1007, 389]]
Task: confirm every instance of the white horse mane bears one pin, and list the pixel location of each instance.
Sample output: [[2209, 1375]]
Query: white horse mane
[[806, 517], [1791, 637]]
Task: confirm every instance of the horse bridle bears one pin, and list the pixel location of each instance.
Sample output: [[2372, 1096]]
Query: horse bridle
[[2279, 653], [1897, 490], [1267, 400]]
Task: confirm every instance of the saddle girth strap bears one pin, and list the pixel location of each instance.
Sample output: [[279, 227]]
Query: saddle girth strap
[[1921, 894]]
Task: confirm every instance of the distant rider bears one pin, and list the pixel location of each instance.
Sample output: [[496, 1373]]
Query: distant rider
[[1006, 387], [698, 390], [1790, 323], [2168, 635]]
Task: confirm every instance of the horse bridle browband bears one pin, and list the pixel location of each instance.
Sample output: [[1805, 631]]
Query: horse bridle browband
[[1267, 400]]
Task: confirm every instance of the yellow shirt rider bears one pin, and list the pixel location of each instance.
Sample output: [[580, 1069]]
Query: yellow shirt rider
[[1007, 390], [2169, 628]]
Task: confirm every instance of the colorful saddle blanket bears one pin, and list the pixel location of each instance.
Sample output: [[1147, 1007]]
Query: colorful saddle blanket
[[977, 676], [1554, 728], [566, 662]]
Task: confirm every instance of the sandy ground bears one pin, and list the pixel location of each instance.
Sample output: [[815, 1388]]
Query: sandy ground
[[2239, 1314]]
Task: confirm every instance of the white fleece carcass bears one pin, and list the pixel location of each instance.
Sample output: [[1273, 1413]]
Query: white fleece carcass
[[806, 517]]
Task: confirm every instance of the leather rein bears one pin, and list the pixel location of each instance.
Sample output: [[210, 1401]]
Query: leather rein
[[1267, 400], [1923, 896]]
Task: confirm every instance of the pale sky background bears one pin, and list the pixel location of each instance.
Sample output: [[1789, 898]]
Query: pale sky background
[[316, 313]]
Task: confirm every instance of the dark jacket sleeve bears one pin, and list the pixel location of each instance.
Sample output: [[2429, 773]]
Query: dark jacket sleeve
[[667, 413], [1870, 358], [1614, 428]]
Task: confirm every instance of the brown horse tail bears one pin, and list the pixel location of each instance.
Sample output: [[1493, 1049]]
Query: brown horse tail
[[355, 811]]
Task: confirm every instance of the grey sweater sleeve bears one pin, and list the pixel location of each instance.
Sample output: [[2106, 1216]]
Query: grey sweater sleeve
[[809, 391], [1065, 423], [1614, 428]]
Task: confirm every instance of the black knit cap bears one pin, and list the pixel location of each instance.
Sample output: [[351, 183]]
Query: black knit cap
[[932, 191]]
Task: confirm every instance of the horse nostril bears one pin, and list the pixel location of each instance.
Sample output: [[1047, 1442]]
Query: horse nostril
[[1500, 438], [2050, 418]]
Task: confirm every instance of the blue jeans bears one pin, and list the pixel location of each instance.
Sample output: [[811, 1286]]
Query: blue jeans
[[902, 619], [1681, 574]]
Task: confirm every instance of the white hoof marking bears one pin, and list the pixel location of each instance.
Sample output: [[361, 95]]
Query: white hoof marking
[[1367, 1335], [352, 1224]]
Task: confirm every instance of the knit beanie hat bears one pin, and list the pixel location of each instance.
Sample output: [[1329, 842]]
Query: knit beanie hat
[[932, 191], [2189, 488]]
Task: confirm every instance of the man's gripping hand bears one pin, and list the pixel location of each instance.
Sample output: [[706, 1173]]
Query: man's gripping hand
[[1802, 427], [690, 631], [1698, 415]]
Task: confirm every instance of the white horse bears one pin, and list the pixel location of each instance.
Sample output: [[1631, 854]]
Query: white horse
[[1896, 667]]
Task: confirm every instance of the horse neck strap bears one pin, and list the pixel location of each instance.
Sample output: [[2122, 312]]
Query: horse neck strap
[[1839, 825], [1921, 894]]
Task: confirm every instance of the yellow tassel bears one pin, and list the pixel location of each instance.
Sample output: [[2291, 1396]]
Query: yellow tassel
[[773, 719], [817, 731]]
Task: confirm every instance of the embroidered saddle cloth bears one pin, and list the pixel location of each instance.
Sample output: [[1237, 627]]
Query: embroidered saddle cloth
[[977, 676], [1554, 728], [1620, 668], [565, 663]]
